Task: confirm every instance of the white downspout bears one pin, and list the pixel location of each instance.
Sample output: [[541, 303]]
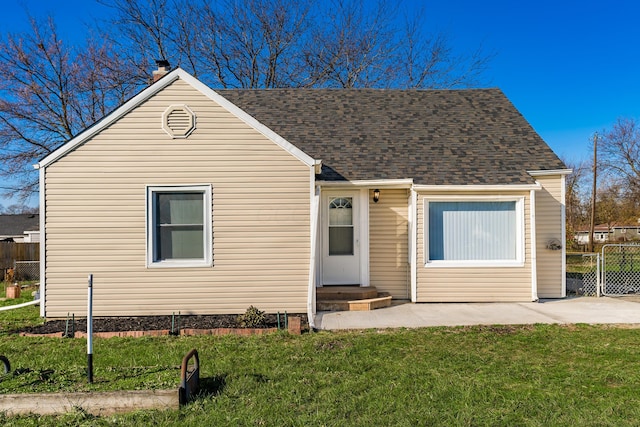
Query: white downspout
[[534, 259], [311, 292], [563, 209], [43, 241], [413, 244]]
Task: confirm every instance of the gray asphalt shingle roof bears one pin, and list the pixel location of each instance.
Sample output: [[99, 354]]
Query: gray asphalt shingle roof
[[435, 137], [16, 225]]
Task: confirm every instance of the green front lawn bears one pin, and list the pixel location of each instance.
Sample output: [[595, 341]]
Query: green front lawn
[[537, 375], [12, 320], [525, 375]]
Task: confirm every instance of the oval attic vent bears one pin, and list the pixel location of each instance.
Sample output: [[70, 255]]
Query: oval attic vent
[[178, 121]]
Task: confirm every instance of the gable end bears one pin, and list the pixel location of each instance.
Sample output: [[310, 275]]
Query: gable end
[[146, 94]]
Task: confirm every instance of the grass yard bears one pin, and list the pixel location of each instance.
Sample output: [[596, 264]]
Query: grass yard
[[15, 319], [537, 375], [541, 375]]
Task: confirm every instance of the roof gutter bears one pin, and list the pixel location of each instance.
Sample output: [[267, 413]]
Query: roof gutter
[[550, 172], [378, 183], [463, 188]]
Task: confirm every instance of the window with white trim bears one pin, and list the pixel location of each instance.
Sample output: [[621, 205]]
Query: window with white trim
[[179, 226], [474, 232]]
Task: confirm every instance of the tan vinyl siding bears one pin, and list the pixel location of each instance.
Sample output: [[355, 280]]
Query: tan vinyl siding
[[388, 242], [96, 216], [473, 284], [549, 227]]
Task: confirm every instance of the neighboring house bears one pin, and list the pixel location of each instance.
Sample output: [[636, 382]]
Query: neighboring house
[[20, 228], [624, 233], [193, 200], [604, 233]]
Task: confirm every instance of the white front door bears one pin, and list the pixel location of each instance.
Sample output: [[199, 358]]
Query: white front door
[[340, 239]]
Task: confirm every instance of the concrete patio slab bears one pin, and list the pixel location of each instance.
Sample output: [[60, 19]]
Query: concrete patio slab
[[569, 310]]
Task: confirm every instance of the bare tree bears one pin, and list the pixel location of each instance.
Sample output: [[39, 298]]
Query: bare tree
[[576, 199], [18, 209], [355, 45], [142, 29], [608, 206], [294, 43], [619, 151], [255, 43], [429, 60], [50, 91], [230, 43]]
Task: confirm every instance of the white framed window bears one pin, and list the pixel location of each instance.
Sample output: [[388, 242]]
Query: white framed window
[[474, 232], [179, 226]]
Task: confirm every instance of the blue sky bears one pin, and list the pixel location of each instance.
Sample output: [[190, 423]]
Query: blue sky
[[571, 67]]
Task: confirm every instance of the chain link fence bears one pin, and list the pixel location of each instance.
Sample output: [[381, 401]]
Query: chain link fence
[[620, 269], [615, 271], [590, 274], [582, 274], [26, 270]]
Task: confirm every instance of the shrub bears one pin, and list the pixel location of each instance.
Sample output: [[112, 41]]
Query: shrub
[[252, 318]]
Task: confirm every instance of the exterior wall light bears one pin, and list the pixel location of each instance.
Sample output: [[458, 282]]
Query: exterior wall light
[[376, 195]]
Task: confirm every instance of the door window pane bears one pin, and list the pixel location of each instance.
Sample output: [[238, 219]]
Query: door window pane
[[341, 226], [340, 240], [340, 211]]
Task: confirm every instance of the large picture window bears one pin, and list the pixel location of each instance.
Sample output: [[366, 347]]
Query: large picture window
[[474, 232], [179, 226]]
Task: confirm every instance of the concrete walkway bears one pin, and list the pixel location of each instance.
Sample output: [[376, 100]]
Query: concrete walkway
[[569, 310]]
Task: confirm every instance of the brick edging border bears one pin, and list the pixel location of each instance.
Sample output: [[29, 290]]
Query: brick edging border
[[294, 327]]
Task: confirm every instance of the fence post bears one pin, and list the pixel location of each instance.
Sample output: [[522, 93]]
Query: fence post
[[598, 281]]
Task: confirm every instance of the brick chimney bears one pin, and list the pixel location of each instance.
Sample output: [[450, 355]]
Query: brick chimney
[[163, 68]]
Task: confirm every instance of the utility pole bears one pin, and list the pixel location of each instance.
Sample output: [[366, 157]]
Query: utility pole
[[592, 226]]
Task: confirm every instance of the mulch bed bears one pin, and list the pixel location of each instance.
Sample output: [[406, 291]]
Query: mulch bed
[[154, 323]]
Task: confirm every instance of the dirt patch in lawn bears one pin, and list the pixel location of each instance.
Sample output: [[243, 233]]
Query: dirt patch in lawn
[[154, 323]]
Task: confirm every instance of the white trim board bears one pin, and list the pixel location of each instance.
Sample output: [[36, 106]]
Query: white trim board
[[376, 183], [464, 188], [550, 172]]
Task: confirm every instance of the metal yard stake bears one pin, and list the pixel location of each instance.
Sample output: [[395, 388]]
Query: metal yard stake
[[90, 330]]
